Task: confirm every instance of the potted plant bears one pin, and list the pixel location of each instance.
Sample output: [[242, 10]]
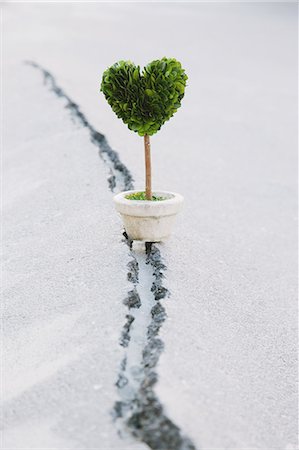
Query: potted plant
[[145, 101]]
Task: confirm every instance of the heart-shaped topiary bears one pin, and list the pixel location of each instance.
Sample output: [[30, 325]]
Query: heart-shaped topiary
[[145, 101]]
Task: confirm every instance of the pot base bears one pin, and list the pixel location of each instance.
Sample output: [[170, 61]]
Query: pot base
[[149, 229]]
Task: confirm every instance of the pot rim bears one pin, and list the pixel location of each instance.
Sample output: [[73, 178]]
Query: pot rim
[[174, 198]]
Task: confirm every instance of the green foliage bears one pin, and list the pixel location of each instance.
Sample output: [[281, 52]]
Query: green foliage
[[142, 196], [145, 101]]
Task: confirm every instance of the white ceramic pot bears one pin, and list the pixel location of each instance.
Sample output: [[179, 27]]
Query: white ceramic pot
[[146, 220]]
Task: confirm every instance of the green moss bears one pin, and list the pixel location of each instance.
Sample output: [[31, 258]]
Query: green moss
[[141, 196]]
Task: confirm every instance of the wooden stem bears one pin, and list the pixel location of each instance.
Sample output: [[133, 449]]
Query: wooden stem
[[148, 172]]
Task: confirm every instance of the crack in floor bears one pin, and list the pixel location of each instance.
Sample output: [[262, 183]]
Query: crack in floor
[[120, 178], [139, 410]]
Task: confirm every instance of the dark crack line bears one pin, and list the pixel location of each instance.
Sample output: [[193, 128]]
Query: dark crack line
[[120, 178], [141, 412]]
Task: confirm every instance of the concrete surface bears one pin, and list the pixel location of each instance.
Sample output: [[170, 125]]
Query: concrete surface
[[227, 376]]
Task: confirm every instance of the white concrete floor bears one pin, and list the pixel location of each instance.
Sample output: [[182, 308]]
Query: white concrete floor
[[227, 376]]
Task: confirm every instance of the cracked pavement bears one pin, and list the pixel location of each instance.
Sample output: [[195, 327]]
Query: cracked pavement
[[227, 374]]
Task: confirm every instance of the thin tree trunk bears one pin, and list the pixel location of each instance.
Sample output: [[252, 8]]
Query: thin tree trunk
[[148, 172]]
